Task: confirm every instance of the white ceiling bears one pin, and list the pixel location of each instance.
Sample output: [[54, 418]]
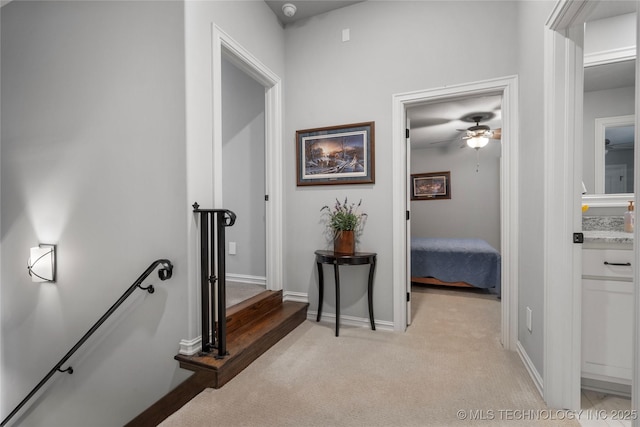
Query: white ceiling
[[306, 8], [436, 124]]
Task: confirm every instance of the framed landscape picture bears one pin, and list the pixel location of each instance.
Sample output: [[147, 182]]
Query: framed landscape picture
[[336, 155], [431, 186]]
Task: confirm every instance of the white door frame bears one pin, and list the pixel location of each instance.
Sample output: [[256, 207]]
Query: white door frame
[[225, 46], [562, 214], [508, 88]]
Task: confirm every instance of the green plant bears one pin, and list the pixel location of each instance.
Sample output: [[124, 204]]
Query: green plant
[[344, 217]]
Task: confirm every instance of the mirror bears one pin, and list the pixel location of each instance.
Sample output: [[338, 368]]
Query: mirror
[[614, 147], [609, 107]]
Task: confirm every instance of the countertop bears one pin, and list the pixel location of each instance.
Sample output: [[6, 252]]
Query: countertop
[[608, 236], [605, 230]]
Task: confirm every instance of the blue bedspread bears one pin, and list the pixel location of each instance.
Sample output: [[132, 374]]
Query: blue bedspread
[[456, 260]]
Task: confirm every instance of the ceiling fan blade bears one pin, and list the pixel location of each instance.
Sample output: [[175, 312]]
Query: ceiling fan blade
[[497, 134], [434, 143]]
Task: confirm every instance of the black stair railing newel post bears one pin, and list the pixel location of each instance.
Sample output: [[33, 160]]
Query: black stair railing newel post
[[213, 277], [164, 273]]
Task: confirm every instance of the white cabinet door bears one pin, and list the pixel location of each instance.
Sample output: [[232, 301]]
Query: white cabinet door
[[607, 324]]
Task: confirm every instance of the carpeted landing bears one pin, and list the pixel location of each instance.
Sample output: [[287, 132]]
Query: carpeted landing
[[449, 368], [238, 292]]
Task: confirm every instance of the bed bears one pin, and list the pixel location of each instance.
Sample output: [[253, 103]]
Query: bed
[[455, 262]]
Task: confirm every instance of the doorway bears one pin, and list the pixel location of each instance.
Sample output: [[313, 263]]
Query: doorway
[[243, 177], [464, 219], [563, 139], [225, 47], [508, 90]]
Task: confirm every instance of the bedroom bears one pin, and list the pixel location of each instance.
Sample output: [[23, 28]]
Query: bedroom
[[465, 215]]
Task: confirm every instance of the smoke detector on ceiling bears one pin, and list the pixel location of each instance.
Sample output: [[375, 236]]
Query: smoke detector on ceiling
[[289, 9]]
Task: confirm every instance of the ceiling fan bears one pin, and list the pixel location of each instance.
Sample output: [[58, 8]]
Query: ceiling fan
[[479, 135]]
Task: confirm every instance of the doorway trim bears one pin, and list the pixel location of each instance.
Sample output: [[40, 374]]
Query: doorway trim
[[508, 88], [563, 72], [225, 46]]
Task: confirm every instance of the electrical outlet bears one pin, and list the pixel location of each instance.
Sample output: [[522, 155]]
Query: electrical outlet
[[232, 248], [529, 314]]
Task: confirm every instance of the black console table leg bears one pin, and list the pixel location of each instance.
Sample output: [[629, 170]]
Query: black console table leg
[[371, 272], [335, 268], [320, 291]]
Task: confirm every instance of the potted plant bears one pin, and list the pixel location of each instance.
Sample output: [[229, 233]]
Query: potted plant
[[345, 223]]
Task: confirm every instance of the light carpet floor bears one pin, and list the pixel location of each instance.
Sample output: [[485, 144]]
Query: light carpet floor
[[447, 366], [237, 292]]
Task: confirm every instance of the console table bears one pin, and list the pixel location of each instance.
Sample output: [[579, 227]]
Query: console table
[[336, 259]]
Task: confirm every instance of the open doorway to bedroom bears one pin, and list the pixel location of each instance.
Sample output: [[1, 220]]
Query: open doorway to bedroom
[[453, 166], [507, 89]]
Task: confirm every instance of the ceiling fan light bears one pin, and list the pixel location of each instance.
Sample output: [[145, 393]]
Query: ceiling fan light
[[477, 141]]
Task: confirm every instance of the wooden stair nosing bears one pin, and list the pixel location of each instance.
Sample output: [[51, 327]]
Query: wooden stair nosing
[[249, 343]]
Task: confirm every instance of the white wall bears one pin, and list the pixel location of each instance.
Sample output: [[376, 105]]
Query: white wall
[[473, 212], [330, 82], [93, 160], [243, 170], [531, 18]]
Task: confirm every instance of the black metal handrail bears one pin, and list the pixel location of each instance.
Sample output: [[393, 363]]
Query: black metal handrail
[[212, 245], [164, 273]]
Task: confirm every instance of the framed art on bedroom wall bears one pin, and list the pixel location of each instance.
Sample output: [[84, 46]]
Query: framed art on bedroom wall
[[431, 186], [336, 155]]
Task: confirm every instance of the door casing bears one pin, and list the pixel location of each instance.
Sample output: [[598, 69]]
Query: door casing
[[508, 88], [564, 85]]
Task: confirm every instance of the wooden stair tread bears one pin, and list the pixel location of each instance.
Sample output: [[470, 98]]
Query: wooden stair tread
[[245, 338], [257, 324]]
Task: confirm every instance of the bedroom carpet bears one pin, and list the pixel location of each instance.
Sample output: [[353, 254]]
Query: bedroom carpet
[[449, 360]]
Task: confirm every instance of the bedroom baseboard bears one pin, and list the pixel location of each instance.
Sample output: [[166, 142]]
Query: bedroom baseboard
[[531, 369]]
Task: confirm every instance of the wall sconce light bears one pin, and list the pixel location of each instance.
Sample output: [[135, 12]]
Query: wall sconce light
[[42, 263]]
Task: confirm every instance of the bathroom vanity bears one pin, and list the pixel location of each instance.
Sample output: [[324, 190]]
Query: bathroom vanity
[[607, 305]]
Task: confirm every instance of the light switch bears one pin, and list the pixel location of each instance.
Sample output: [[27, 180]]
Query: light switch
[[346, 35]]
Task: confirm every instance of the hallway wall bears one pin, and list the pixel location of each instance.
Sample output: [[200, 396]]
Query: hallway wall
[[330, 82], [93, 160]]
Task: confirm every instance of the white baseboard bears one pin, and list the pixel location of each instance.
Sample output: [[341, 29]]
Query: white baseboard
[[533, 372], [362, 322], [245, 278], [331, 317], [295, 296], [190, 347]]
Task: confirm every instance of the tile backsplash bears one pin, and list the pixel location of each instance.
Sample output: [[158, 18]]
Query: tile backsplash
[[612, 223]]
